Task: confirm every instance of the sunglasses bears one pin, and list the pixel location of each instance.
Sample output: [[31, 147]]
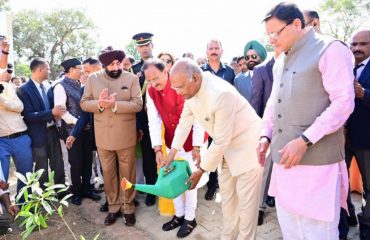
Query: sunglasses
[[252, 56]]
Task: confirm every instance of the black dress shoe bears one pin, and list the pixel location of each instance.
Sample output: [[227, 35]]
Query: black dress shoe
[[210, 194], [93, 196], [270, 201], [352, 220], [174, 223], [104, 207], [111, 218], [129, 219], [76, 201], [150, 200], [186, 228], [261, 215]]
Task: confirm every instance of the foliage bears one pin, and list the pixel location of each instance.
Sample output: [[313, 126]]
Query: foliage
[[55, 35], [22, 69], [340, 18], [130, 49], [40, 204], [4, 5]]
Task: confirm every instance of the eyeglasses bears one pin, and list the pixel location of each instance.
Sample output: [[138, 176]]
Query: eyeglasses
[[275, 35], [168, 61], [309, 22], [252, 56]]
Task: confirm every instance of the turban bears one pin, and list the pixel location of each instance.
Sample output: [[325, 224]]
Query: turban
[[67, 64], [108, 55], [258, 47]]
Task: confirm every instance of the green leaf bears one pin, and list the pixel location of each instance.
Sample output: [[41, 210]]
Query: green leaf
[[96, 237], [66, 197], [27, 232], [65, 203], [60, 210], [43, 222], [82, 237], [25, 214], [56, 186], [47, 207], [21, 177]]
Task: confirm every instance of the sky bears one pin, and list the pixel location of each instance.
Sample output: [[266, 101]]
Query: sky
[[178, 26]]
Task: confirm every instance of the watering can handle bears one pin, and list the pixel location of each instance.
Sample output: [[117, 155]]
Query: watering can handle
[[168, 170]]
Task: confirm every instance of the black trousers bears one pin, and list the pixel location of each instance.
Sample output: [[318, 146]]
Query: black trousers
[[213, 176], [80, 158], [149, 163], [363, 160], [50, 154]]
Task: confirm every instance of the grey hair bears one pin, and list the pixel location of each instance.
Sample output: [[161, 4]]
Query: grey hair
[[189, 68]]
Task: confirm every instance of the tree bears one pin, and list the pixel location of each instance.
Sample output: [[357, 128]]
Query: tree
[[56, 36], [131, 50], [22, 69], [4, 5], [342, 17]]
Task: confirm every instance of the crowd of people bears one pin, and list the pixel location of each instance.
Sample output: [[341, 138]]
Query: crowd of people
[[277, 130]]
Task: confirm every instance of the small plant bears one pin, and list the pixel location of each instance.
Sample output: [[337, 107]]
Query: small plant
[[40, 204]]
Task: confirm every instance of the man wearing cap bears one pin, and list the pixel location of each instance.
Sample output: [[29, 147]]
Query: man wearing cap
[[114, 96], [216, 67], [144, 46], [67, 93]]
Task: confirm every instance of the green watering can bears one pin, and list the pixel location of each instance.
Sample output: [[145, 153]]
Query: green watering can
[[170, 183]]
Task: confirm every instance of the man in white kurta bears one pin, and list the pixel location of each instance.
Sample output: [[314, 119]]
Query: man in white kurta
[[233, 124]]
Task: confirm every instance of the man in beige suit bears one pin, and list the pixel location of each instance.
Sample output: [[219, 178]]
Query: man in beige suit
[[234, 126], [114, 96]]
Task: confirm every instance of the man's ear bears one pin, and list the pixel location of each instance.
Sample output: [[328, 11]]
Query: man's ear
[[196, 77]]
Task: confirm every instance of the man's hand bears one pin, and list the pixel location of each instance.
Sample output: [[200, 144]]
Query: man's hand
[[195, 153], [170, 157], [293, 152], [194, 179], [359, 90], [263, 146], [58, 111], [158, 154], [110, 102], [69, 142], [13, 210], [140, 135], [4, 185]]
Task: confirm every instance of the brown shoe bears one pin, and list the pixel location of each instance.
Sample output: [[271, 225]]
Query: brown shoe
[[111, 218], [129, 219]]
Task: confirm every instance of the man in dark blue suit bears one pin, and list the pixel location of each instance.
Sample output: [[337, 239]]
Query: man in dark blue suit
[[39, 115], [261, 89], [358, 125]]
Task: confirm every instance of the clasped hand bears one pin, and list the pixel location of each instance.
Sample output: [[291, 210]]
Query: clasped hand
[[106, 100]]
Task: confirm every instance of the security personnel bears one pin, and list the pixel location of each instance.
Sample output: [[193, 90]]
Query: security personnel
[[144, 46]]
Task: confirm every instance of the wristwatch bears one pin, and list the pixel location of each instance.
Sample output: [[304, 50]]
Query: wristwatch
[[307, 141]]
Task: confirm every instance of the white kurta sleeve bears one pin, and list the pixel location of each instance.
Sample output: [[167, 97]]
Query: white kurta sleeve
[[155, 122], [60, 98]]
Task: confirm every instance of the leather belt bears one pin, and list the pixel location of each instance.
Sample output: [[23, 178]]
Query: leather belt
[[15, 135]]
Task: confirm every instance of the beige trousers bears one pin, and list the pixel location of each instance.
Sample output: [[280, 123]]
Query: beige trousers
[[240, 199], [116, 165]]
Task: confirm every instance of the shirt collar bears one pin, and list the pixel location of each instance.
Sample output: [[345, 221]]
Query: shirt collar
[[365, 62], [36, 83], [203, 85]]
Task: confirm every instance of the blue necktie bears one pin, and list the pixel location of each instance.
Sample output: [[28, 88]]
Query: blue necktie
[[44, 97], [355, 69]]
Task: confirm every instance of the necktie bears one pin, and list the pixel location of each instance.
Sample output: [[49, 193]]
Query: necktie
[[44, 97], [355, 69]]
